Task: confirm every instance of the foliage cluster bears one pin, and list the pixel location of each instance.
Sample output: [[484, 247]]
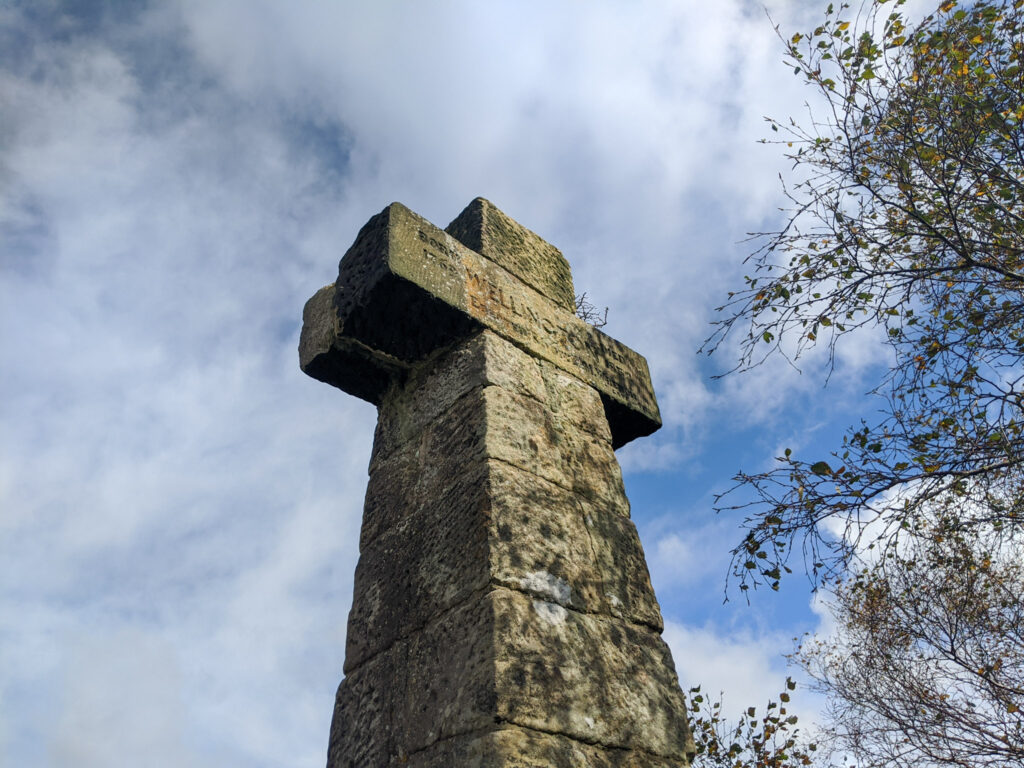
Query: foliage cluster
[[906, 221], [909, 218], [928, 666], [772, 740]]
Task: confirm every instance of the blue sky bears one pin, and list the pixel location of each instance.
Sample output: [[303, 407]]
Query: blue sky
[[179, 505]]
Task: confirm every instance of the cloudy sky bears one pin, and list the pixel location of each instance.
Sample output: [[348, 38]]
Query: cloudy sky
[[179, 505]]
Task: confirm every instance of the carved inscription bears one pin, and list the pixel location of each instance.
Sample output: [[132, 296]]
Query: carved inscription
[[559, 337], [432, 247]]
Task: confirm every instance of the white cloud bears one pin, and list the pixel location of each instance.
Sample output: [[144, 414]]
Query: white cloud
[[686, 551], [122, 701], [744, 666]]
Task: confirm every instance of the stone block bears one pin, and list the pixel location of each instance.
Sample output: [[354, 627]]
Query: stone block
[[362, 725], [429, 561], [526, 434], [496, 524], [504, 657], [433, 685], [571, 401], [492, 422], [552, 543], [512, 747], [430, 390], [449, 679], [426, 467], [593, 679], [488, 231]]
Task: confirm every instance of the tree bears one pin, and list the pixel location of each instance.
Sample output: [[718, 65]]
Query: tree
[[906, 220], [908, 216], [589, 313], [772, 740], [926, 667]]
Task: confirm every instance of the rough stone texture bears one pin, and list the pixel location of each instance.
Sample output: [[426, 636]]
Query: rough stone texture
[[510, 746], [327, 355], [506, 657], [537, 535], [594, 678], [485, 359], [503, 614], [436, 684], [596, 553], [406, 289], [488, 231]]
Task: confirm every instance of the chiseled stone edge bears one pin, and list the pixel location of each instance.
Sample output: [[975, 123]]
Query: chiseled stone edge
[[507, 657], [444, 268], [512, 746], [442, 291], [330, 357], [486, 359], [484, 228], [547, 543]]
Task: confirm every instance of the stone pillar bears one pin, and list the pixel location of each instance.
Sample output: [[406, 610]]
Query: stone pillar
[[503, 614]]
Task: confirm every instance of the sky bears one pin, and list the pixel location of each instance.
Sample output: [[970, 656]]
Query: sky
[[179, 504]]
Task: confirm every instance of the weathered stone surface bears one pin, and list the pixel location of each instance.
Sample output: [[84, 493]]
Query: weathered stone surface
[[434, 685], [405, 289], [487, 423], [433, 388], [450, 686], [486, 230], [497, 525], [503, 614], [425, 468], [527, 435], [428, 562], [591, 678], [363, 722], [507, 657], [544, 539], [558, 437], [484, 360], [327, 355], [510, 746]]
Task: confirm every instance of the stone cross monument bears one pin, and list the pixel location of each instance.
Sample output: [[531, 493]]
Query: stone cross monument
[[503, 614]]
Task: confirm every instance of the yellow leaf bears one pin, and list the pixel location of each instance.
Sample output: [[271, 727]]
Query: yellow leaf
[[948, 5], [843, 26]]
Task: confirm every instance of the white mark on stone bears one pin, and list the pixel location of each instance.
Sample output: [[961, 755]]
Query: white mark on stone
[[544, 584], [589, 721], [552, 613], [613, 599], [589, 521]]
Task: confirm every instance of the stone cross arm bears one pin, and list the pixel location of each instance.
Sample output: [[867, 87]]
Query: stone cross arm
[[406, 289]]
